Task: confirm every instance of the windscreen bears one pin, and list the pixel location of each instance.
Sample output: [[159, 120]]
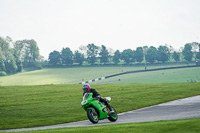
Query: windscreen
[[85, 96]]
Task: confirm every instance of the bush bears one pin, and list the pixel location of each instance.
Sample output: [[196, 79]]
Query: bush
[[2, 73]]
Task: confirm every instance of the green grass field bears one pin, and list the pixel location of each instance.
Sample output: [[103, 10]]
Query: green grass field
[[30, 99], [161, 76], [31, 106], [77, 75], [61, 75], [175, 126]]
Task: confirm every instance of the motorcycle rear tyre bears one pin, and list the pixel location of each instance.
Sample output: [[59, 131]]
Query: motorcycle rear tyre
[[113, 117]]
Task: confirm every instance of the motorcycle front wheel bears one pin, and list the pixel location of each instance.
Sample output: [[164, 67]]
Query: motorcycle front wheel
[[94, 118]]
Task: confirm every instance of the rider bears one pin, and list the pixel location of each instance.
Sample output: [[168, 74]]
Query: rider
[[86, 88]]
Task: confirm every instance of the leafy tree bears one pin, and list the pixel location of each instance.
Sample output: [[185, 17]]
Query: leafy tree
[[2, 61], [163, 54], [133, 56], [4, 45], [78, 57], [67, 56], [104, 55], [92, 51], [32, 53], [19, 54], [116, 57], [151, 54], [19, 50], [54, 58], [19, 65], [10, 64], [139, 54], [110, 55], [83, 50], [195, 48], [27, 52], [198, 53], [7, 63], [176, 56], [187, 52], [18, 61], [128, 56]]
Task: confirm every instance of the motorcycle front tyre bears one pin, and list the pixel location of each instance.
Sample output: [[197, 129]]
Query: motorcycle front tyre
[[92, 117]]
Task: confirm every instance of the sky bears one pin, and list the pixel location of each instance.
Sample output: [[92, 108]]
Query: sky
[[117, 24]]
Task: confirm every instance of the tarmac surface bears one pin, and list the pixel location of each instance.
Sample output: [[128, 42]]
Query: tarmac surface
[[178, 109]]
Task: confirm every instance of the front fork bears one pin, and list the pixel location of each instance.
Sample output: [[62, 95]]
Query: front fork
[[94, 111]]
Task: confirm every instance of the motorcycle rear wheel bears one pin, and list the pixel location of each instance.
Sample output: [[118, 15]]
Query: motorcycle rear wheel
[[113, 117], [92, 117]]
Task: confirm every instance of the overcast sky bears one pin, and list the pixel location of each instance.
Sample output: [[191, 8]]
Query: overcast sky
[[117, 24]]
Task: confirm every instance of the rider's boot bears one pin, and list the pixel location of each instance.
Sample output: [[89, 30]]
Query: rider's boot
[[107, 104], [111, 111]]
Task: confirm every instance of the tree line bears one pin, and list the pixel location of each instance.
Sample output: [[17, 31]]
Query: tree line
[[92, 54], [101, 55], [14, 56]]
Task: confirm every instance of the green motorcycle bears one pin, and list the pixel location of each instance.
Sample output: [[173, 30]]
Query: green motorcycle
[[96, 110]]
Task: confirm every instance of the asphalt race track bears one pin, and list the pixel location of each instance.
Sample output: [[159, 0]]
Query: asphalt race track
[[178, 109]]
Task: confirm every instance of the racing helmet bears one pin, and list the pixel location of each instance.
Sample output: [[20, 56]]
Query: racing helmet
[[86, 87]]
